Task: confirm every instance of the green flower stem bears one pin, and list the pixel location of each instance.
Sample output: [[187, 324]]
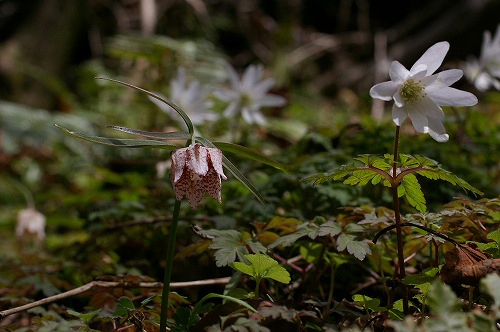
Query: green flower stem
[[168, 266], [397, 214], [257, 284]]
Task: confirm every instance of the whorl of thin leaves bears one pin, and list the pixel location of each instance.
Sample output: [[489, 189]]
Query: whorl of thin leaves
[[373, 170]]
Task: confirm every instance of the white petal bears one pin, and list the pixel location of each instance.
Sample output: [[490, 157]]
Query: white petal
[[178, 163], [384, 90], [418, 118], [231, 109], [247, 116], [259, 118], [448, 77], [433, 57], [272, 101], [216, 159], [397, 72], [429, 108], [198, 160], [436, 130], [398, 99], [418, 69], [447, 96], [399, 114]]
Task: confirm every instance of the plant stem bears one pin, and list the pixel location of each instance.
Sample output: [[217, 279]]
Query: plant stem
[[257, 284], [168, 266], [397, 214]]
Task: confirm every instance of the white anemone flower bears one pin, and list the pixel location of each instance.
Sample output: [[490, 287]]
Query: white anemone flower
[[248, 95], [191, 98], [419, 93], [485, 72]]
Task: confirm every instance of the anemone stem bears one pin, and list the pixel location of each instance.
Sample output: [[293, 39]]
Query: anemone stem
[[397, 215]]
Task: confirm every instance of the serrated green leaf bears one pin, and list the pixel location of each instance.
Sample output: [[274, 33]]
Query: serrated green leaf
[[357, 248], [278, 273], [306, 229], [119, 142], [442, 299], [234, 171], [427, 276], [336, 174], [176, 108], [495, 236], [250, 154], [177, 135], [329, 228], [413, 192]]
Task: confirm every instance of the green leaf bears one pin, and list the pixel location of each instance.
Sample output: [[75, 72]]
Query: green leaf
[[177, 135], [495, 236], [336, 174], [119, 142], [442, 299], [234, 170], [184, 116], [427, 276], [491, 285], [123, 306], [306, 229], [397, 312], [368, 302], [329, 228], [263, 266], [250, 154], [357, 248], [360, 177], [413, 192]]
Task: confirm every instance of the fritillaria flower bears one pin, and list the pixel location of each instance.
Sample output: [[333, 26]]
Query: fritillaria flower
[[191, 98], [418, 93], [248, 95], [196, 170], [485, 72], [30, 224]]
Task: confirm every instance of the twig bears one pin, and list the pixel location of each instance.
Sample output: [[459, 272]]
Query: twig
[[111, 284], [152, 220]]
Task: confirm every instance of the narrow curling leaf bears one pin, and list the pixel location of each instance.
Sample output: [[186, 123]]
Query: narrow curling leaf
[[234, 171], [184, 116], [119, 142], [177, 135], [250, 154]]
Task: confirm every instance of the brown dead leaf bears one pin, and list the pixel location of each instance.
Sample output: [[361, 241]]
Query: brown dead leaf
[[467, 265]]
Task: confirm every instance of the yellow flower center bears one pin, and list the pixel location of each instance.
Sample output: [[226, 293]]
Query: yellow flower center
[[412, 91], [245, 100]]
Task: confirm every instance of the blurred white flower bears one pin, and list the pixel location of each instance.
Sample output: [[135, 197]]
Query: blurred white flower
[[418, 93], [30, 223], [248, 95], [485, 72], [191, 98]]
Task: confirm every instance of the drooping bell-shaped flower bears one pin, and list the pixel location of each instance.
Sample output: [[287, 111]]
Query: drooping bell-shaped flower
[[30, 224], [196, 170]]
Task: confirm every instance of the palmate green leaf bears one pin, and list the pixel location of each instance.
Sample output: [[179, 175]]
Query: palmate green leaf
[[119, 142], [306, 229], [357, 248], [176, 108], [229, 245], [177, 135], [234, 170], [250, 154], [263, 266], [329, 228], [442, 299]]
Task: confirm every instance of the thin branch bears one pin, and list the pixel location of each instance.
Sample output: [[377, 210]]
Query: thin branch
[[111, 284]]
